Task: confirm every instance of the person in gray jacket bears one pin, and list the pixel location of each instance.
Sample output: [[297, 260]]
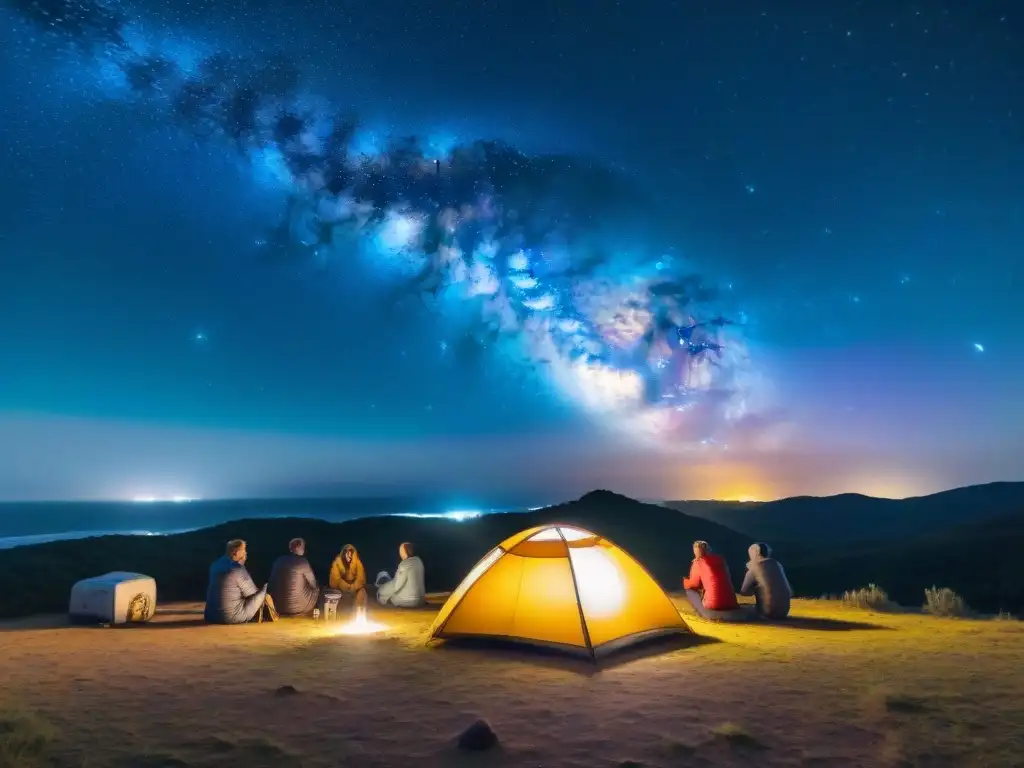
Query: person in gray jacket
[[232, 597], [408, 588], [293, 584], [767, 582]]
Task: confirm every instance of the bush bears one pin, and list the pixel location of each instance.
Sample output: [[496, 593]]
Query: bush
[[871, 598], [1005, 616], [945, 602]]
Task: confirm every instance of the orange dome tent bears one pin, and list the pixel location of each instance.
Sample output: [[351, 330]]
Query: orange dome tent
[[559, 586]]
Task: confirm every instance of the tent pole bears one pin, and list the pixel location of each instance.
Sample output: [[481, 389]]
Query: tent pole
[[579, 603]]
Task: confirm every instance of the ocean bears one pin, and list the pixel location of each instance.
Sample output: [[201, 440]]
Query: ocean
[[24, 523]]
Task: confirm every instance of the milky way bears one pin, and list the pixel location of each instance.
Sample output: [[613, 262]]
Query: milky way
[[505, 245]]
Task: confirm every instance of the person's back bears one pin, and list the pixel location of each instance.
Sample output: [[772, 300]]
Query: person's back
[[293, 584], [232, 596], [410, 583], [766, 581], [711, 573], [408, 589]]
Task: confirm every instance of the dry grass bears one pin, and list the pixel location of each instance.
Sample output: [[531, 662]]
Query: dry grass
[[870, 598], [835, 686], [946, 603], [737, 736], [24, 738]]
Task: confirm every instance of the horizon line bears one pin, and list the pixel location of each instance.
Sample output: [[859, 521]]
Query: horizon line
[[184, 501]]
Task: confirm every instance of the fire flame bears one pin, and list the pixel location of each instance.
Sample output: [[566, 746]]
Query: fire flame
[[360, 625]]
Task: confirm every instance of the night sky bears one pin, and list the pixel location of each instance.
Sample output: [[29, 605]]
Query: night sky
[[680, 250]]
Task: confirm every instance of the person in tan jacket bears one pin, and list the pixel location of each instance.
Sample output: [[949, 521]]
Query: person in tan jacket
[[348, 576]]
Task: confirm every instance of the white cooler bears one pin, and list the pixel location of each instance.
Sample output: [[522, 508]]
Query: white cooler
[[114, 598]]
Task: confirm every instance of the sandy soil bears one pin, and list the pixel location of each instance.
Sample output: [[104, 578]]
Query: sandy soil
[[834, 687]]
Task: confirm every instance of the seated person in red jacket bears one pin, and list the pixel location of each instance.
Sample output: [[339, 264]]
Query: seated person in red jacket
[[709, 586]]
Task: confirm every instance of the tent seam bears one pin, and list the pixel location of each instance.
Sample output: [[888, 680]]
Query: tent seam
[[579, 601], [455, 607]]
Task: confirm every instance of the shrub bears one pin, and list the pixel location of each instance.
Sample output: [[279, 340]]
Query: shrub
[[945, 602], [871, 598], [1005, 616]]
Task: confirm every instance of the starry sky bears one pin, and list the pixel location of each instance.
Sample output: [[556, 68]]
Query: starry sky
[[712, 250]]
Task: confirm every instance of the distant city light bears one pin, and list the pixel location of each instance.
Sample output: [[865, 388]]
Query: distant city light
[[462, 514], [458, 515]]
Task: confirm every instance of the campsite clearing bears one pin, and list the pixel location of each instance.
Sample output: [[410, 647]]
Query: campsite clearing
[[834, 686]]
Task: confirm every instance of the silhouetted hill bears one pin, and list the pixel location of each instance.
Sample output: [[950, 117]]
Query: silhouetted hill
[[850, 518], [38, 578], [980, 561]]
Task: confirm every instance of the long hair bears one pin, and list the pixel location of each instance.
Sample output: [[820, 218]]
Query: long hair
[[349, 564]]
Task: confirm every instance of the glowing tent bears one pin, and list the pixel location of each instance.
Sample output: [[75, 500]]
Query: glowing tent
[[559, 586]]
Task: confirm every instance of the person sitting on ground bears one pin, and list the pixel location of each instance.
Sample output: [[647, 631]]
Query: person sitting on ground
[[408, 588], [293, 584], [767, 582], [709, 575], [348, 576], [232, 596]]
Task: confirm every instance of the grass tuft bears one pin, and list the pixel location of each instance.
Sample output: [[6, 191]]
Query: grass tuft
[[738, 736], [905, 705], [23, 739], [870, 598], [946, 603]]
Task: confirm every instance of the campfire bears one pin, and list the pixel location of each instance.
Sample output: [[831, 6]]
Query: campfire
[[361, 625]]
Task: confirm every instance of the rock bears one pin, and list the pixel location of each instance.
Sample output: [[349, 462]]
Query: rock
[[286, 690], [478, 737]]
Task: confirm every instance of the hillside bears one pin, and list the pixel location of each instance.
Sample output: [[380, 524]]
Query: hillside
[[38, 578], [835, 686], [808, 521], [980, 561], [977, 560]]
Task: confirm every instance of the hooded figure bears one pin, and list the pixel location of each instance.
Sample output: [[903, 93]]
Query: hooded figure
[[766, 580], [348, 576], [292, 582], [232, 596], [408, 588]]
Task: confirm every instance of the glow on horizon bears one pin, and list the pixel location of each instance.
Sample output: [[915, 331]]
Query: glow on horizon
[[458, 515], [163, 499]]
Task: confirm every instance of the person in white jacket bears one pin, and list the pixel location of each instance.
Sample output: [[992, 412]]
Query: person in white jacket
[[408, 588]]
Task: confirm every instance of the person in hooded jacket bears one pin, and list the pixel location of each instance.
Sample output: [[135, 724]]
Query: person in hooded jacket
[[348, 576], [292, 582], [709, 586], [408, 588], [232, 597], [766, 581]]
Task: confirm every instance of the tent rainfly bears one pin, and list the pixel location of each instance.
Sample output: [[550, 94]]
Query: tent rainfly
[[563, 587]]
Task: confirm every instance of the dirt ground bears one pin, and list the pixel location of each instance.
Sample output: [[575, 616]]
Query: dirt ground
[[834, 686]]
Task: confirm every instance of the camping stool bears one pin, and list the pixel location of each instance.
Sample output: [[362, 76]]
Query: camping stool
[[332, 597]]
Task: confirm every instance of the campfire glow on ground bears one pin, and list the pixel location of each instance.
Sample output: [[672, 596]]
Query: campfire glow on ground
[[360, 625]]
